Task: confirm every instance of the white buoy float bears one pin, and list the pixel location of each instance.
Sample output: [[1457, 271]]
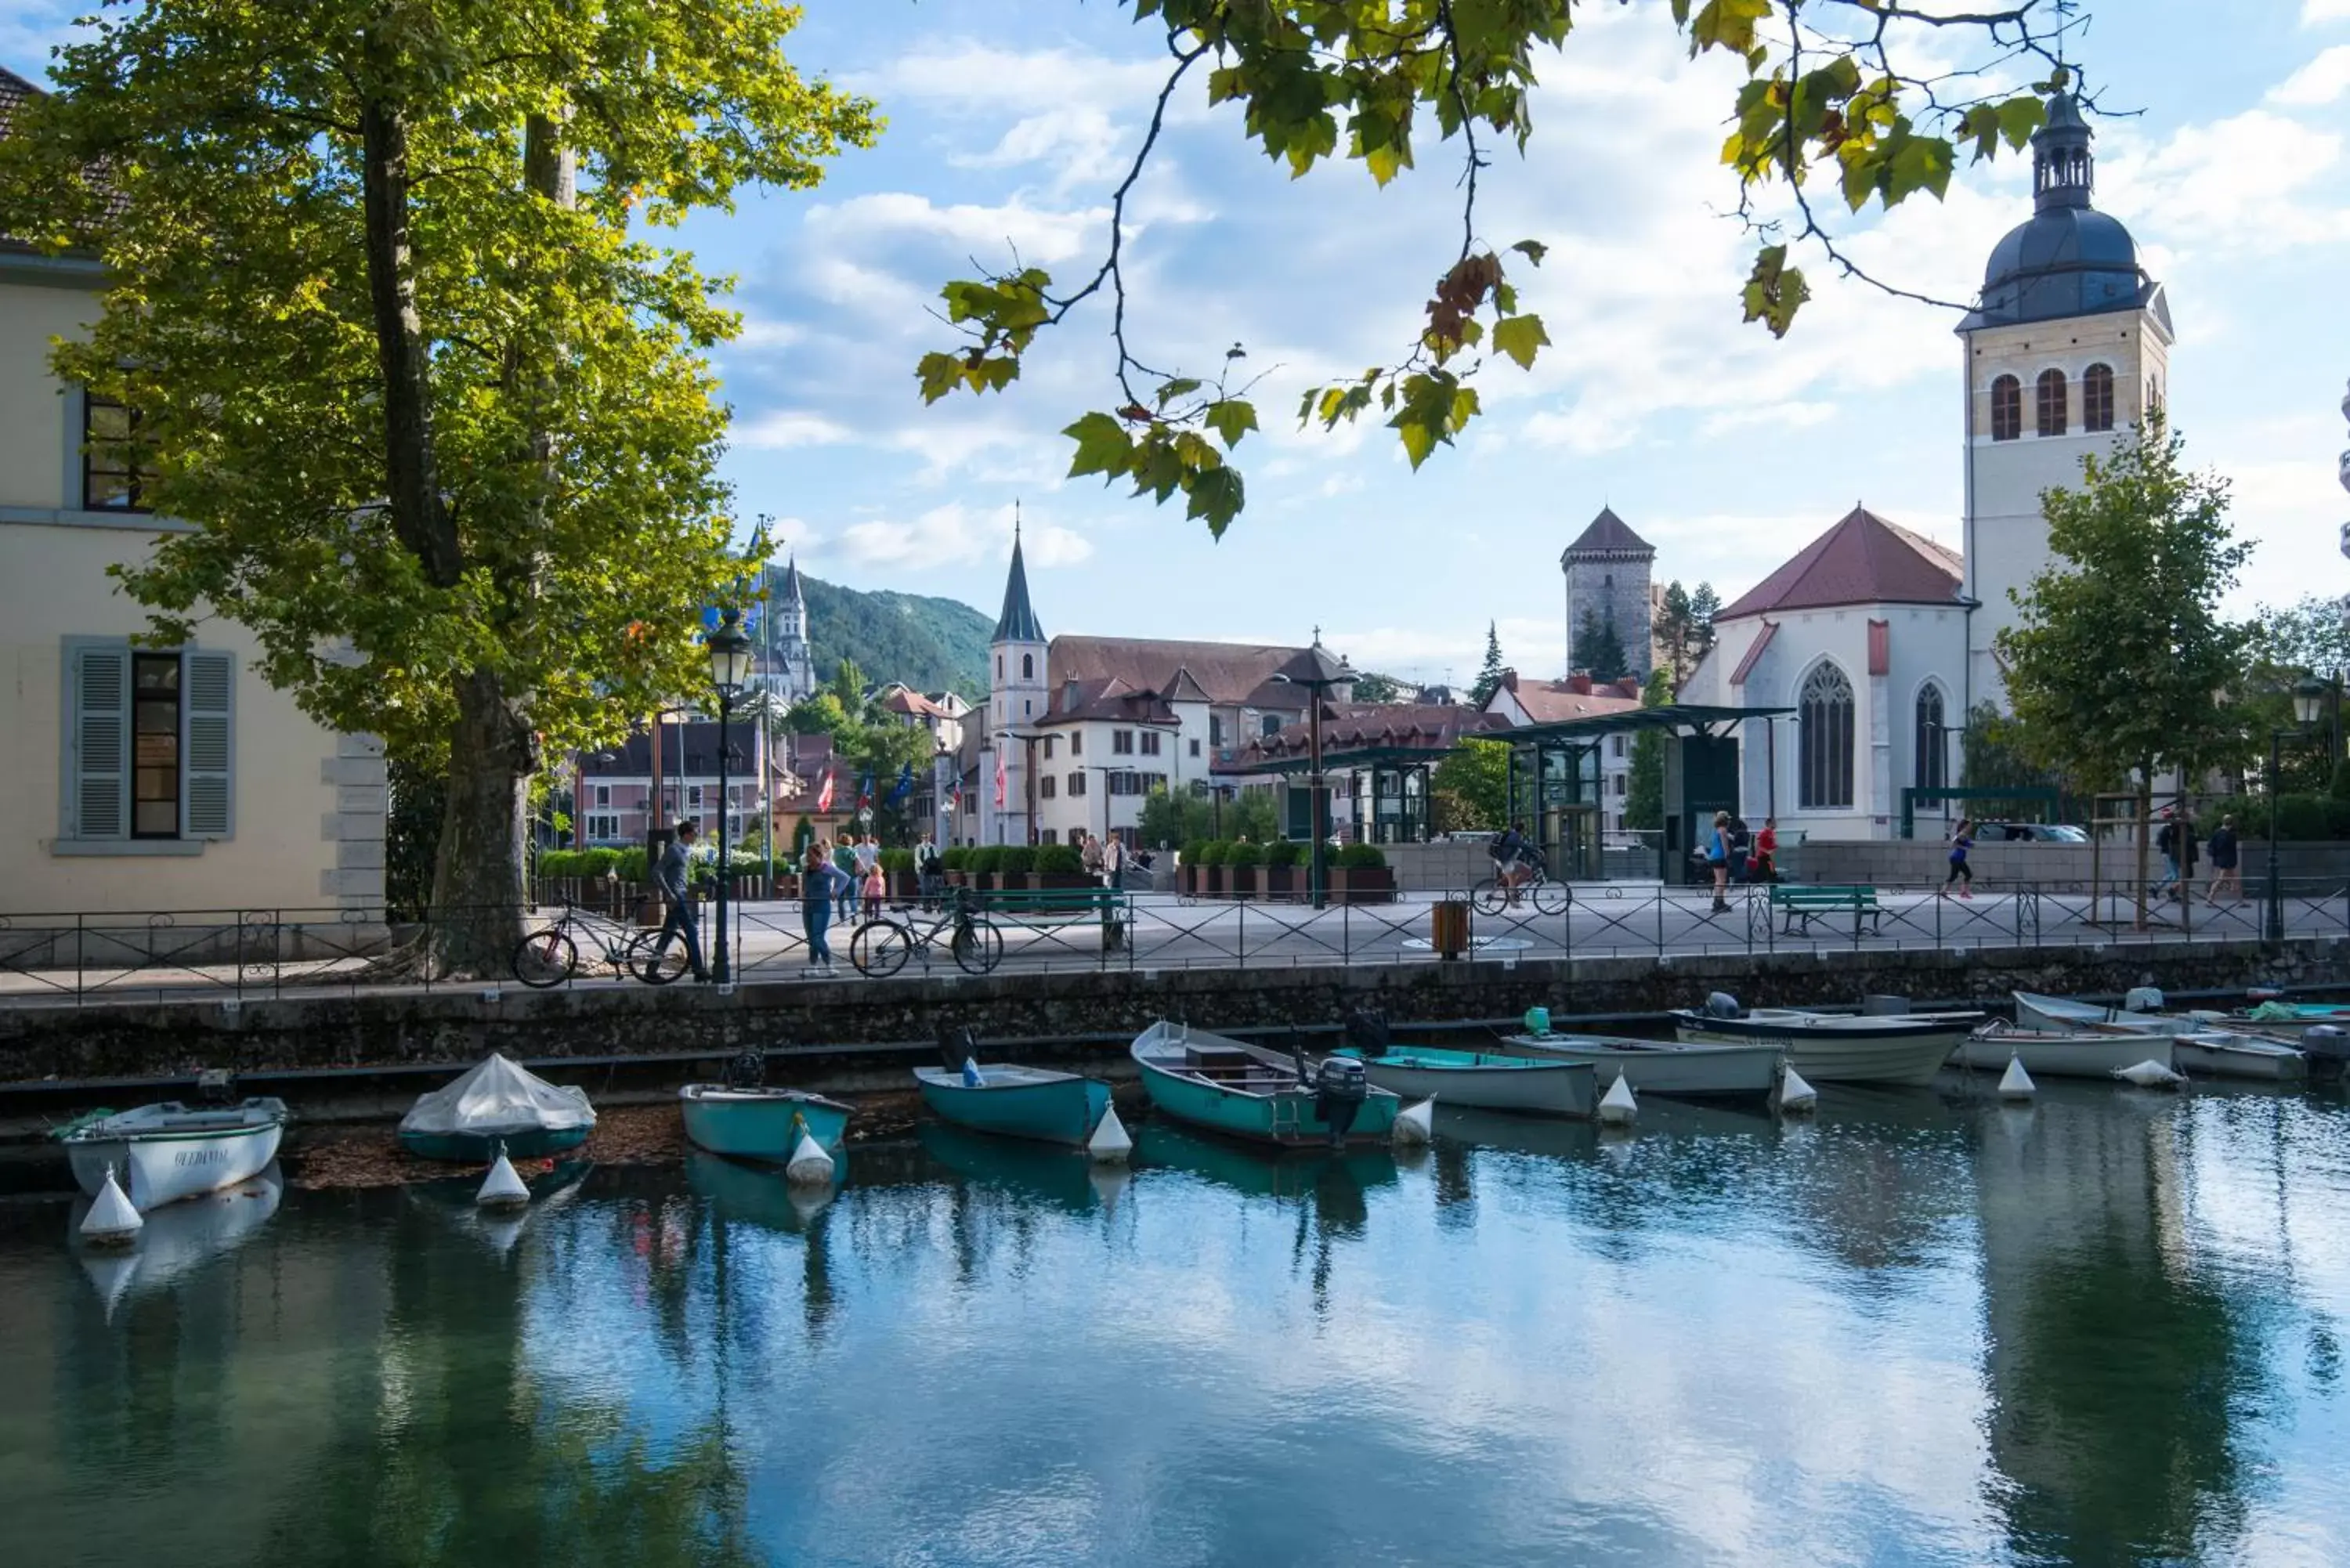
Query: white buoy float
[[1111, 1143], [502, 1187], [2150, 1075], [1617, 1107], [809, 1165], [1416, 1124], [2015, 1084], [111, 1220], [1796, 1097]]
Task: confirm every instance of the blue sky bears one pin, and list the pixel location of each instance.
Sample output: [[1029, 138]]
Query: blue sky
[[1009, 124]]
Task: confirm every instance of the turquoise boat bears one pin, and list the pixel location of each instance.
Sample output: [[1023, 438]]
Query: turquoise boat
[[1017, 1102], [1248, 1092], [758, 1123]]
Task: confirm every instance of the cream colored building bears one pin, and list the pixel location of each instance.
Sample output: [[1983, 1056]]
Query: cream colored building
[[139, 779]]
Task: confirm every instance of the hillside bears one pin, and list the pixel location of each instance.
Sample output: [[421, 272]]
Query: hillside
[[930, 644]]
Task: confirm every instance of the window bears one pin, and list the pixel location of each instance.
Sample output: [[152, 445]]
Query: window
[[1619, 784], [147, 742], [1047, 836], [1121, 743], [1026, 706], [2097, 398], [1615, 745], [1077, 783], [2052, 404], [1028, 666], [1049, 741], [1215, 729], [114, 478], [1149, 742], [692, 797], [1270, 724], [602, 829], [1195, 748], [999, 666], [2006, 409], [1076, 743], [603, 795], [1823, 741], [1933, 746], [1045, 787]]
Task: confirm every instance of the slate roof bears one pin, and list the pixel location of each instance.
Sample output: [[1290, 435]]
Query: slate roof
[[2067, 259], [1863, 560], [1608, 534], [1113, 700], [791, 592], [1549, 701], [1228, 674], [1359, 729], [1018, 623]]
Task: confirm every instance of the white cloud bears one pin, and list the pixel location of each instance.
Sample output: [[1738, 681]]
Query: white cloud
[[956, 534], [2313, 12], [2255, 180], [783, 427], [964, 228], [2321, 81]]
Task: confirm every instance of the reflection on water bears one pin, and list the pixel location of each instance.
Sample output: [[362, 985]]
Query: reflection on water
[[1921, 1328]]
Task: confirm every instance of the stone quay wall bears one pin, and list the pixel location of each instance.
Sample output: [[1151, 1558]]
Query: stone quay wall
[[1092, 1015]]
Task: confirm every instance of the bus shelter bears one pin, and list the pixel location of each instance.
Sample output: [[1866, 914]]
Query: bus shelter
[[1378, 758]]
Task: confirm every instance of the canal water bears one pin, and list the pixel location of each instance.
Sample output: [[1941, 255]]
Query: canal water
[[1923, 1328]]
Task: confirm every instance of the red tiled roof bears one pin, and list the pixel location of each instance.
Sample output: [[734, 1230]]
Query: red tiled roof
[[1551, 701], [1357, 727], [1863, 560], [1754, 654], [1077, 702], [1230, 674], [906, 700]]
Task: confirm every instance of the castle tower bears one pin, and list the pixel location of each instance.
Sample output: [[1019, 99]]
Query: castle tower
[[1015, 701], [794, 668], [2067, 348], [1607, 569]]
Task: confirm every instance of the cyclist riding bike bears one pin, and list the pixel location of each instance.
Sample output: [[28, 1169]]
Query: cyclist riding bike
[[1516, 861]]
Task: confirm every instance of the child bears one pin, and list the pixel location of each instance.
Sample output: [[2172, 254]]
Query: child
[[1962, 838], [876, 888]]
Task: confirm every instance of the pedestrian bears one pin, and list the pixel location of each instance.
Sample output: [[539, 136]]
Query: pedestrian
[[1113, 861], [2165, 842], [1717, 860], [877, 891], [675, 875], [1742, 848], [816, 894], [844, 886], [1090, 856], [2226, 878], [2190, 852], [1962, 838], [1766, 851], [930, 872]]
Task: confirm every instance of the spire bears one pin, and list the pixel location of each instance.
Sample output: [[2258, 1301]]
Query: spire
[[1018, 621], [793, 593], [2063, 172]]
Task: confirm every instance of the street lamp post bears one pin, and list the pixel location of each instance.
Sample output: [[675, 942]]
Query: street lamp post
[[730, 672], [1317, 672], [2308, 697]]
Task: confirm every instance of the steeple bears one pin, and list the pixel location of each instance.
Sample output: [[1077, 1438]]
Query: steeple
[[793, 593], [1018, 622], [2063, 170]]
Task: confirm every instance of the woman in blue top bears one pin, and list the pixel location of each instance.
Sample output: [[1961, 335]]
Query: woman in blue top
[[1962, 838], [1717, 857]]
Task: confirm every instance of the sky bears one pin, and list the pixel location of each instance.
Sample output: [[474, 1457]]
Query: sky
[[1009, 124]]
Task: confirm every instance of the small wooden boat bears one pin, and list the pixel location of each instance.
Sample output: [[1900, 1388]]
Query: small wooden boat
[[1669, 1067], [2046, 1054], [1017, 1101], [1836, 1047], [754, 1122], [162, 1154], [2063, 1015], [2221, 1054], [1247, 1091], [1489, 1080], [496, 1106]]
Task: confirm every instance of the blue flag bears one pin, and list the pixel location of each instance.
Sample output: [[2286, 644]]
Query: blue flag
[[905, 784]]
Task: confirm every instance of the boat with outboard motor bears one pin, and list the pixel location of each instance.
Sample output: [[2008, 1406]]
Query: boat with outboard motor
[[743, 1119], [2198, 1045], [163, 1153], [1836, 1047], [1009, 1098], [1489, 1080], [1246, 1091]]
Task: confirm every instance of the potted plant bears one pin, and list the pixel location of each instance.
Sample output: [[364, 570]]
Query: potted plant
[[985, 861], [1014, 863], [1060, 866], [1241, 859], [956, 859], [1284, 873], [1211, 868], [898, 866], [1360, 876], [1194, 880]]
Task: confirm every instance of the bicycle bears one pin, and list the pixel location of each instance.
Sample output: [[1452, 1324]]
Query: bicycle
[[882, 945], [548, 955], [1548, 897]]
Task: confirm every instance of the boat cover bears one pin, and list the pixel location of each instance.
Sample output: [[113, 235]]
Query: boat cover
[[498, 1099]]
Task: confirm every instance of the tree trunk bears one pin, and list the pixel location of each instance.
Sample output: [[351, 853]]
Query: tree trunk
[[477, 884]]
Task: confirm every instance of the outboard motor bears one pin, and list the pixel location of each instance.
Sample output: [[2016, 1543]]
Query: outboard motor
[[2142, 999], [216, 1086], [2327, 1045], [1367, 1031], [748, 1070], [958, 1043], [1340, 1089], [1721, 1004]]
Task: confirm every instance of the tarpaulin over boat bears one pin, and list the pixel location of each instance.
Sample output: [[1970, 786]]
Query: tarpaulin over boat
[[497, 1099]]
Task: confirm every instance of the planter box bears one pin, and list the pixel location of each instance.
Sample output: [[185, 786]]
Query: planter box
[[1362, 886], [1041, 881], [1241, 882], [1284, 883]]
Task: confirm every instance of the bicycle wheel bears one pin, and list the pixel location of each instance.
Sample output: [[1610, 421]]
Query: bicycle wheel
[[1553, 897], [654, 965], [1489, 897], [879, 947], [544, 959], [978, 948]]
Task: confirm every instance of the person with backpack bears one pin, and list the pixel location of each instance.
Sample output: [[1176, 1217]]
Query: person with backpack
[[2227, 878], [930, 872], [1962, 838], [1741, 849]]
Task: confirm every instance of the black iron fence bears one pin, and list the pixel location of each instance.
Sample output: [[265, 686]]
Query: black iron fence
[[235, 954]]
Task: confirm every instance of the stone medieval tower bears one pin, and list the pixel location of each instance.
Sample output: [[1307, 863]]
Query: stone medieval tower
[[1607, 570]]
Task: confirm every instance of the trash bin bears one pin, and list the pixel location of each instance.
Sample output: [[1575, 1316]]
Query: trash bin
[[1448, 929]]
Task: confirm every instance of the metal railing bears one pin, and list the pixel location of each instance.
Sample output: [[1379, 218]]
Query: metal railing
[[234, 955]]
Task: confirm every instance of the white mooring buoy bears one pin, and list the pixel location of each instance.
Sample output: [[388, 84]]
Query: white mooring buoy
[[2015, 1084], [1796, 1097], [2150, 1075], [1111, 1144], [111, 1220], [810, 1165], [502, 1187], [1416, 1124], [1616, 1106]]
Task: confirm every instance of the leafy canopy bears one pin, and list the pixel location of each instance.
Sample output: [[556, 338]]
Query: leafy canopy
[[1825, 100]]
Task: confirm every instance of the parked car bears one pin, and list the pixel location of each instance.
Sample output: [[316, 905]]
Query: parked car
[[2029, 832]]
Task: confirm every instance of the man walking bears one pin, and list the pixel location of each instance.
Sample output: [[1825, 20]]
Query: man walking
[[675, 876]]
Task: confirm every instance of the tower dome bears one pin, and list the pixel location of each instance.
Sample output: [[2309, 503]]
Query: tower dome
[[2067, 259]]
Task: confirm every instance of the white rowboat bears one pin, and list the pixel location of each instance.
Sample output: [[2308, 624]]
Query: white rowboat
[[2226, 1055], [2079, 1054], [163, 1153], [1667, 1067], [1841, 1048]]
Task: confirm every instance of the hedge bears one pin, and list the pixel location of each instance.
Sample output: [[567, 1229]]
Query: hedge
[[1362, 857], [2301, 818], [896, 860], [1242, 853], [1212, 853], [955, 857], [1193, 849], [986, 858], [1015, 860], [1285, 852], [1059, 859]]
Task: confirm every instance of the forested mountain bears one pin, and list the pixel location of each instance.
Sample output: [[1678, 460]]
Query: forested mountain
[[930, 644]]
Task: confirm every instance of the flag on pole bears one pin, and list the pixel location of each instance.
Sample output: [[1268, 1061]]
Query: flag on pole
[[824, 796], [905, 784], [865, 790], [1000, 781]]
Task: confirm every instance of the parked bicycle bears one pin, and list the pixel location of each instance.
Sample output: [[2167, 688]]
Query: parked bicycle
[[882, 945], [1537, 888], [550, 955]]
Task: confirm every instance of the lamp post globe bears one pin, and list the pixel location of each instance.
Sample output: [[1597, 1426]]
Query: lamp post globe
[[730, 674], [2308, 700]]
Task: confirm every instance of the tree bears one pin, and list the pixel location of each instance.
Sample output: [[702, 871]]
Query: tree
[[2120, 663], [1685, 627], [848, 684], [442, 423], [1373, 688], [1488, 676], [1994, 754], [819, 715], [1832, 99], [1644, 791], [1598, 650], [1471, 788], [1704, 606]]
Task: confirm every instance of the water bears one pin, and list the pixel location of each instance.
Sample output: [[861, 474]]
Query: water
[[1924, 1329]]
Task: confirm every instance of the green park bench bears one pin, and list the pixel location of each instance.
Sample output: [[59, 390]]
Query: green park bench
[[1807, 903], [1113, 909]]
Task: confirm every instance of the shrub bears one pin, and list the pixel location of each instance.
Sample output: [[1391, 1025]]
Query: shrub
[[633, 865], [1015, 860], [897, 860], [1059, 859], [987, 858], [1212, 852], [1362, 857], [1193, 849], [1243, 854], [1285, 852], [955, 857], [2301, 818], [558, 863], [599, 862]]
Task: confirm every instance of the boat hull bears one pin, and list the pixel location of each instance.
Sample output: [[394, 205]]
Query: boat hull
[[1828, 1052], [1530, 1087], [761, 1125], [479, 1148], [1284, 1117], [2054, 1055], [1055, 1107], [2063, 1015], [163, 1168], [1684, 1071], [2262, 1061]]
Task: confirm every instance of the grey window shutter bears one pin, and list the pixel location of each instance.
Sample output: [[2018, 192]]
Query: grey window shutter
[[100, 743], [208, 745]]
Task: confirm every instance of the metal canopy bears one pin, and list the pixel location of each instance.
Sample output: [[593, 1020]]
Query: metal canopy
[[1337, 760], [1672, 717]]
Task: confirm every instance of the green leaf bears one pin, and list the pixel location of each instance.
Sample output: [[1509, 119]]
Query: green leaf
[[1180, 386], [1521, 337], [1775, 291], [938, 374], [1217, 495], [1533, 250], [1103, 446], [1231, 419], [1419, 438]]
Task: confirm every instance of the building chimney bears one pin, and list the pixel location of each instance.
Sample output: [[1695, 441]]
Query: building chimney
[[1509, 680], [1579, 684]]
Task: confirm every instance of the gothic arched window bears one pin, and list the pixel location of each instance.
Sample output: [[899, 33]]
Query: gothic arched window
[[2051, 402], [2097, 398], [1933, 744], [1028, 666], [2006, 409], [1823, 740]]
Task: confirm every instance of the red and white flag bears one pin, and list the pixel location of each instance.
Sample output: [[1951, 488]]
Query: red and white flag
[[1000, 781], [824, 796]]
